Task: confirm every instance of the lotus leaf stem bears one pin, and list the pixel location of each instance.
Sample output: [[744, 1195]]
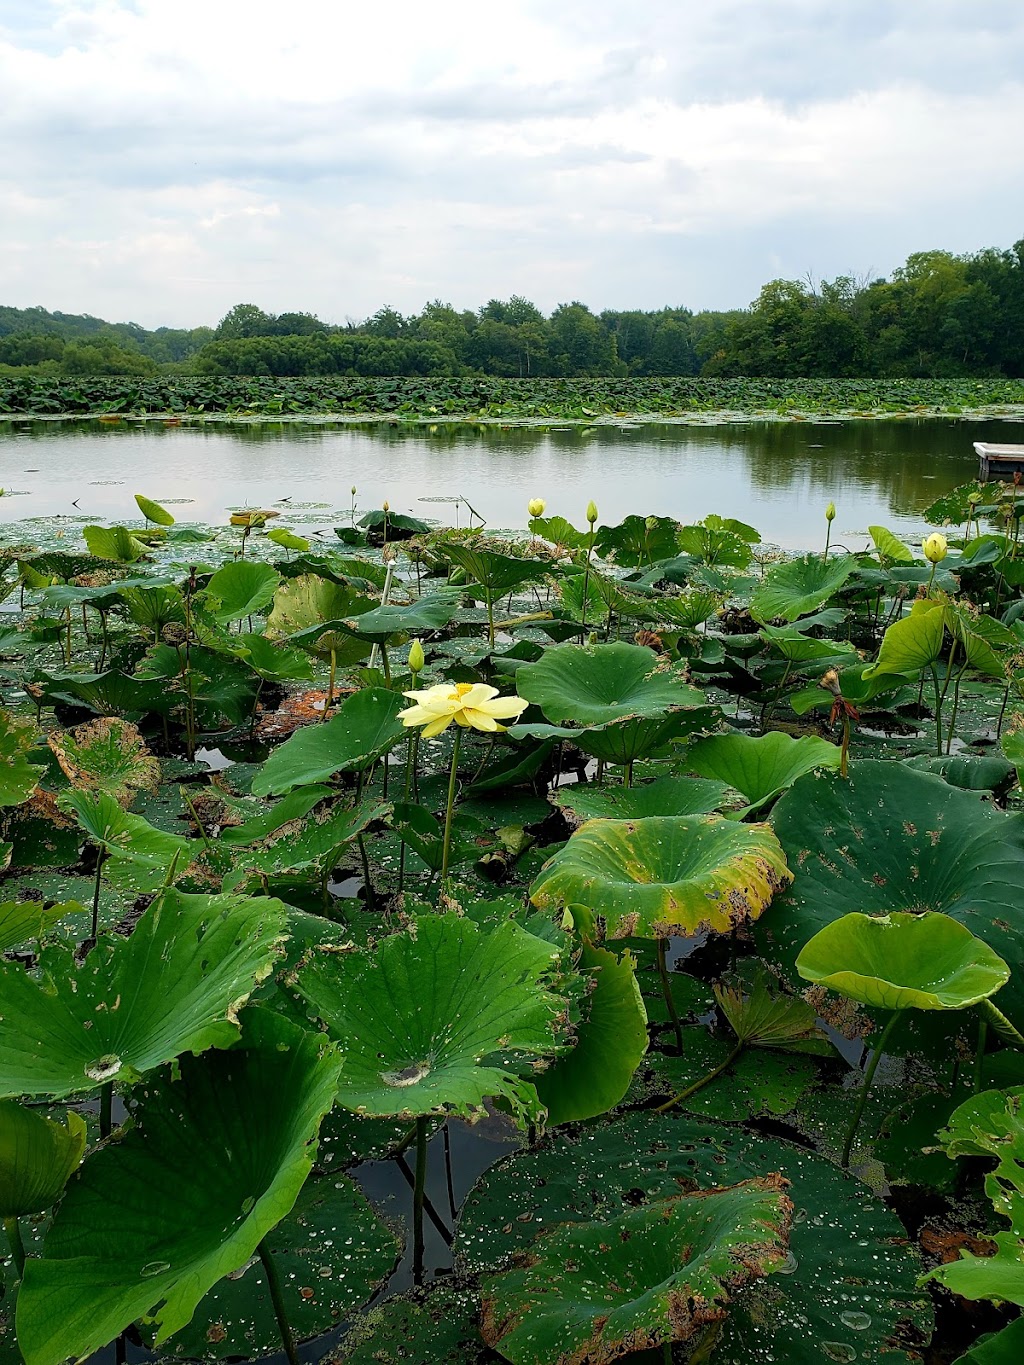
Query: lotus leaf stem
[[410, 768], [13, 1230], [195, 816], [666, 1352], [277, 1299], [418, 1191], [449, 809], [869, 1076], [106, 1109], [666, 990], [452, 1205], [993, 1015], [979, 1055], [330, 684], [704, 1080], [371, 899]]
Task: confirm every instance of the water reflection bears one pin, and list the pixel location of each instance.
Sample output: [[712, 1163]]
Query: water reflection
[[779, 476]]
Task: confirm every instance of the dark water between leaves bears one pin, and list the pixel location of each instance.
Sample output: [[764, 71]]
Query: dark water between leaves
[[776, 476]]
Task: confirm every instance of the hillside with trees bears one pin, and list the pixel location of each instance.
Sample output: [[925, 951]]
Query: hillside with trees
[[937, 316]]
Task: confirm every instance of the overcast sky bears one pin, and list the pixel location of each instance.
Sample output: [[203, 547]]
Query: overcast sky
[[162, 160]]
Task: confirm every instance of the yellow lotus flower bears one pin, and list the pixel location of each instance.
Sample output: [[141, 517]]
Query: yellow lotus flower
[[535, 507], [935, 547], [471, 705]]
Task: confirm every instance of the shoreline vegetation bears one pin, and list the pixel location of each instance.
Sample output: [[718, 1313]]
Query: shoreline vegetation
[[506, 401]]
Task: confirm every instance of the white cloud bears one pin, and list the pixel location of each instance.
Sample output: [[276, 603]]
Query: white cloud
[[162, 162]]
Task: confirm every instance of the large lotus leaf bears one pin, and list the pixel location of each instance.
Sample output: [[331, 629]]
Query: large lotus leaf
[[889, 546], [266, 821], [427, 614], [890, 838], [242, 587], [141, 855], [153, 512], [715, 542], [799, 586], [18, 777], [666, 796], [273, 661], [107, 755], [903, 961], [497, 573], [759, 768], [114, 542], [21, 921], [638, 540], [153, 605], [591, 685], [37, 1155], [287, 540], [438, 1324], [970, 772], [561, 532], [215, 1160], [991, 1125], [362, 729], [110, 693], [325, 1276], [687, 611], [631, 737], [222, 686], [998, 1348], [858, 690], [176, 985], [653, 1275], [308, 600], [912, 643], [851, 1291], [439, 1018], [665, 874], [611, 1039], [315, 844]]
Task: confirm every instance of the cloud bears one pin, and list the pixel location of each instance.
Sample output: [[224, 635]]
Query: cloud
[[162, 162]]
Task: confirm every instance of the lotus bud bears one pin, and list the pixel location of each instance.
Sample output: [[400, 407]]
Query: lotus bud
[[387, 507], [353, 490], [591, 511], [535, 507], [935, 547], [974, 499], [416, 659], [830, 512]]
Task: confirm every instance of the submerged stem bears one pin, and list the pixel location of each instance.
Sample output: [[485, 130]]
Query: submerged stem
[[869, 1076], [419, 1190], [277, 1299], [666, 990]]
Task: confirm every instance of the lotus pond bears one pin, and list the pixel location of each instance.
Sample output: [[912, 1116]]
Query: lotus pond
[[643, 902]]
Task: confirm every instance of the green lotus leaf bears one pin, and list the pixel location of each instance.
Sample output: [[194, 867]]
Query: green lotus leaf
[[266, 821], [307, 601], [37, 1155], [439, 1018], [429, 613], [991, 1125], [852, 1274], [912, 643], [890, 839], [215, 1159], [890, 547], [1013, 747], [106, 755], [762, 767], [222, 686], [174, 986], [438, 1324], [560, 532], [638, 540], [858, 690], [324, 1276], [496, 572], [644, 1278], [110, 693], [760, 1018], [611, 1039], [274, 661], [631, 737], [716, 542], [153, 512], [665, 874], [141, 854], [688, 610], [802, 650], [240, 588], [114, 542], [314, 845], [666, 796], [18, 777], [799, 586], [968, 771], [997, 1348], [153, 606], [288, 540], [903, 961], [23, 921], [362, 729], [393, 521], [590, 685]]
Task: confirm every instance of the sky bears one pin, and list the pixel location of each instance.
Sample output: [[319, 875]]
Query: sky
[[163, 160]]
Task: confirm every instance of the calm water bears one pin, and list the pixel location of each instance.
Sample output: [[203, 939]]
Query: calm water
[[778, 476]]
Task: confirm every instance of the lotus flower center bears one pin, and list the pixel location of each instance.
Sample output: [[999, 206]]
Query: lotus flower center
[[462, 688]]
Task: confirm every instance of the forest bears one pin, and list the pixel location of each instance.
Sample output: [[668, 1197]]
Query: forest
[[938, 316]]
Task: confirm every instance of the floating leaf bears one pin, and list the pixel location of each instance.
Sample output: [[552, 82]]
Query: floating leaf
[[644, 1278], [215, 1160], [174, 986], [438, 1019], [665, 874]]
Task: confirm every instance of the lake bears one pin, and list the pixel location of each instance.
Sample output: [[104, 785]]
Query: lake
[[777, 476]]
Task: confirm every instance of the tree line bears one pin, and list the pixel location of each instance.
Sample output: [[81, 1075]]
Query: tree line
[[937, 316]]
